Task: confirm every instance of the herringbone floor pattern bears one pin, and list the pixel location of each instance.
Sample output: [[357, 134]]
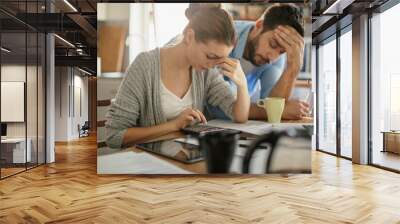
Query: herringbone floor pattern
[[70, 191]]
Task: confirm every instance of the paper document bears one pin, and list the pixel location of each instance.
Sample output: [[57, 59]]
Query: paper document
[[251, 126], [128, 162]]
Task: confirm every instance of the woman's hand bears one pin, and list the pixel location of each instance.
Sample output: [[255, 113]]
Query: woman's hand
[[231, 68], [137, 135], [187, 117]]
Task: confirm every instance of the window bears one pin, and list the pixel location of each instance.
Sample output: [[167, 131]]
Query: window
[[385, 84], [327, 96], [22, 69], [346, 94], [150, 25], [170, 20]]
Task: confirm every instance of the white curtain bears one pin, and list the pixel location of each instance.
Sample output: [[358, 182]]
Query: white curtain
[[169, 21], [140, 25], [153, 25]]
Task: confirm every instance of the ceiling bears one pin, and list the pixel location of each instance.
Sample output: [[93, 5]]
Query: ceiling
[[74, 21], [330, 15]]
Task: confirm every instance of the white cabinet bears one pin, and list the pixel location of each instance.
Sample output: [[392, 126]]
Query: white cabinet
[[13, 150]]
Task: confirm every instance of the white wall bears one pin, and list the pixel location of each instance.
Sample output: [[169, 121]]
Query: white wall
[[67, 80], [80, 118], [61, 103]]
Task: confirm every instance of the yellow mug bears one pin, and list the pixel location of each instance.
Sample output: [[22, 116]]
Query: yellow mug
[[274, 107]]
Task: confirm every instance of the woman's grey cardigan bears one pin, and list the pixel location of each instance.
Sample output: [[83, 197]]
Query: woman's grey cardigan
[[137, 103]]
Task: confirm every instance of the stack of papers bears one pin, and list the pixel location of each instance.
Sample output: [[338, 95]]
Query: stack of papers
[[241, 149], [252, 127], [128, 162]]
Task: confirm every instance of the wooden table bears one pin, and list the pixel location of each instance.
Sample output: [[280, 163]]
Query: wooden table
[[198, 167], [305, 120]]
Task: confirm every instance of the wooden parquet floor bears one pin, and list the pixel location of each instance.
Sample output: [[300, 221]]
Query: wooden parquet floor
[[70, 191]]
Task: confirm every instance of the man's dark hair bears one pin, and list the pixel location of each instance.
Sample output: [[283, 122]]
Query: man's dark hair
[[281, 15]]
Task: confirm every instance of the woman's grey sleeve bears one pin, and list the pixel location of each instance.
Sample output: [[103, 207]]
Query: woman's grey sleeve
[[125, 108], [219, 93]]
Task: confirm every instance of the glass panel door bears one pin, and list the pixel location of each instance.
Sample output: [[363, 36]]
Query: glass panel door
[[346, 94], [327, 97], [385, 89], [14, 154]]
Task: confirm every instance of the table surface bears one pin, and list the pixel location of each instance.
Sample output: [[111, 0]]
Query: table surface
[[13, 140], [306, 120], [198, 167], [390, 132]]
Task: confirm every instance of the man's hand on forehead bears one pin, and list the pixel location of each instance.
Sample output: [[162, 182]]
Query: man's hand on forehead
[[291, 32], [288, 37], [293, 43]]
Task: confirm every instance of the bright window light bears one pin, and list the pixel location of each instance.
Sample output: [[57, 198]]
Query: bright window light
[[170, 20]]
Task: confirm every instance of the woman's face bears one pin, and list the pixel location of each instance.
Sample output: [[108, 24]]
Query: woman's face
[[206, 55]]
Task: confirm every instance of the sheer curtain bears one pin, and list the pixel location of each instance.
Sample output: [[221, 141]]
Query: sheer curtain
[[154, 24], [327, 97], [141, 24], [169, 21], [346, 93]]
